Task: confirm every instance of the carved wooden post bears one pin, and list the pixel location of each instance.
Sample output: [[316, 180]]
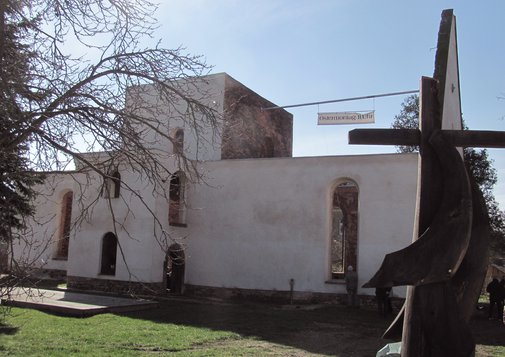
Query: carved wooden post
[[429, 201], [443, 274]]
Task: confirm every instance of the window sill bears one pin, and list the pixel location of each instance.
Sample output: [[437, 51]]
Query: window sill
[[335, 281], [184, 225], [60, 258]]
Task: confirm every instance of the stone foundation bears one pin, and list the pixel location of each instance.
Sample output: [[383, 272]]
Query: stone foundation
[[231, 294], [48, 274], [281, 297], [269, 296], [115, 286], [35, 277]]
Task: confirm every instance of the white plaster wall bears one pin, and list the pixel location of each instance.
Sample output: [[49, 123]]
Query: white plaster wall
[[255, 224], [261, 222], [134, 229], [200, 143]]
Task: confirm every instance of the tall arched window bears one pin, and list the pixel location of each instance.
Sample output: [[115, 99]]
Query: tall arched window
[[65, 225], [109, 252], [344, 232], [112, 185], [176, 209]]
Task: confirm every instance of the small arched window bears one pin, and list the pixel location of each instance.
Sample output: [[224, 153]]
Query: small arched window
[[116, 183], [176, 208], [344, 228], [112, 185], [178, 141], [109, 252], [269, 147], [65, 225]]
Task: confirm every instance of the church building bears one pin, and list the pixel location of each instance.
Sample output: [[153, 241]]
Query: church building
[[258, 223]]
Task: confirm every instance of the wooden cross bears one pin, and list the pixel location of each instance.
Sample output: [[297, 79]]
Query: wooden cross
[[444, 265]]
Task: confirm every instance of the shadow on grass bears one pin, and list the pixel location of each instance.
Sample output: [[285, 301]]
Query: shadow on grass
[[7, 330], [487, 332], [325, 329]]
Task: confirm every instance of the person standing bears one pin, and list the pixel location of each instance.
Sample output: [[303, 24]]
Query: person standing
[[351, 284], [383, 301], [501, 298], [380, 295]]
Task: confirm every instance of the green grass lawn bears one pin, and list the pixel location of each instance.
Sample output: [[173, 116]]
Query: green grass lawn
[[39, 333], [184, 328]]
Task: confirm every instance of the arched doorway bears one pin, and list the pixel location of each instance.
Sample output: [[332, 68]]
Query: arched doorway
[[174, 267], [109, 253]]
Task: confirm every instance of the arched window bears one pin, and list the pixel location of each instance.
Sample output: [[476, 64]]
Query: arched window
[[109, 252], [112, 185], [176, 209], [269, 147], [178, 141], [65, 225], [344, 232], [116, 183]]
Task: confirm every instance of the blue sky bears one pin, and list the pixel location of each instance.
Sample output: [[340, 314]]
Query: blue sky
[[297, 51]]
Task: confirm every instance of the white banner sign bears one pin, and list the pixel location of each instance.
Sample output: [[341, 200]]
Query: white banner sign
[[345, 118]]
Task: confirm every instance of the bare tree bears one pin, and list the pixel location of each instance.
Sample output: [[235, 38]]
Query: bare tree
[[76, 78]]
